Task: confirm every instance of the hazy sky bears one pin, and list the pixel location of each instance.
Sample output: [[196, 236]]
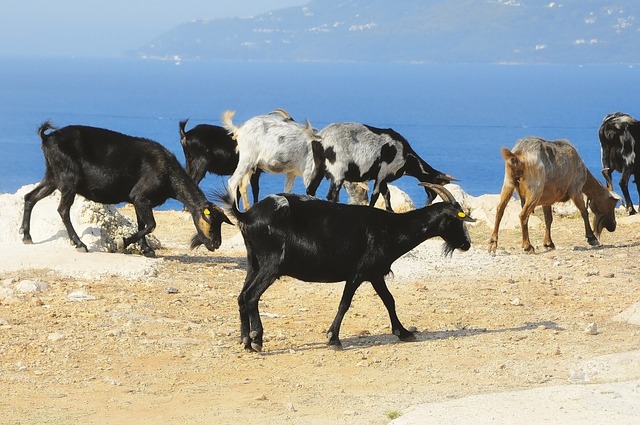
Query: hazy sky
[[107, 27]]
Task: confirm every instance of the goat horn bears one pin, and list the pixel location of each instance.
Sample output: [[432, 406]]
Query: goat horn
[[440, 191], [284, 114], [607, 177]]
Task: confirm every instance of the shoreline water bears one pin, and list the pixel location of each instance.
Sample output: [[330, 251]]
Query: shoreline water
[[457, 117]]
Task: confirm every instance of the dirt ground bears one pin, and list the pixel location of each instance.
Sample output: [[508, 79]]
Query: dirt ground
[[164, 348]]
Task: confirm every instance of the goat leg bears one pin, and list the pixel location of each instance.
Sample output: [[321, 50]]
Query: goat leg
[[526, 212], [146, 225], [624, 187], [252, 294], [591, 237], [243, 308], [396, 327], [64, 209], [289, 181], [333, 334], [334, 190], [375, 194], [255, 185], [43, 190], [548, 219], [386, 194], [314, 182], [244, 322], [505, 197]]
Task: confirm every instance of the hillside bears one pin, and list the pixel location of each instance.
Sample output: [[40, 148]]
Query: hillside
[[465, 31]]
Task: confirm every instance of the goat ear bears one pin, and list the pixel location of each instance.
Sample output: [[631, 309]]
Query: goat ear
[[506, 154], [464, 217], [207, 213]]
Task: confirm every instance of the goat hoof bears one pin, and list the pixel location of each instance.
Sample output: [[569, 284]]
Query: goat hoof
[[549, 246], [632, 212], [256, 347], [82, 248], [405, 336], [149, 253], [335, 346], [593, 241], [27, 240], [246, 341]]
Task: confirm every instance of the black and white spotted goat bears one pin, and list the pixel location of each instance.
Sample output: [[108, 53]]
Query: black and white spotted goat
[[319, 241], [356, 152], [619, 136]]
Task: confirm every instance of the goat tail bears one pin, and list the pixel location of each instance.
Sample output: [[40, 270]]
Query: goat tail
[[182, 124], [227, 122], [47, 125], [230, 204]]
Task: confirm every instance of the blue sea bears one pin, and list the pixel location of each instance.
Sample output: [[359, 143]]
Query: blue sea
[[457, 117]]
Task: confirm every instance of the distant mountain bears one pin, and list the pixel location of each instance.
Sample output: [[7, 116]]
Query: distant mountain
[[432, 31]]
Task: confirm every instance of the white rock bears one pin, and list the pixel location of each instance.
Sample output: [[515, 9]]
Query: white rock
[[358, 195], [578, 377], [591, 329], [31, 286], [56, 336], [400, 200], [80, 296], [6, 293]]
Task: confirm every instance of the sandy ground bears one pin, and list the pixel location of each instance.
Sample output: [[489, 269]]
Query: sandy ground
[[100, 338]]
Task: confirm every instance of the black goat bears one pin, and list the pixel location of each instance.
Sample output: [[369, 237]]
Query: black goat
[[210, 148], [619, 152], [109, 167], [320, 241]]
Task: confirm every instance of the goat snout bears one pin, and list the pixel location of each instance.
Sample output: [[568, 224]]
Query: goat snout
[[211, 244], [465, 246]]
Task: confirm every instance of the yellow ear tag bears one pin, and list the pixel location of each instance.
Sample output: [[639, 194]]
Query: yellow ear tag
[[206, 211], [461, 214]]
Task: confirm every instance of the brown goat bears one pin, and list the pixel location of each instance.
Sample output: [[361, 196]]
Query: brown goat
[[545, 172]]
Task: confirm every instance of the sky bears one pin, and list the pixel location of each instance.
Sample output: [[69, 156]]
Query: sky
[[107, 28]]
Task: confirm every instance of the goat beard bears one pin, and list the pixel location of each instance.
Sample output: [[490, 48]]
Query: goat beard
[[198, 240], [598, 224], [447, 249]]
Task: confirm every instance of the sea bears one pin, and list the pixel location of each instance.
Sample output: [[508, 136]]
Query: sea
[[457, 117]]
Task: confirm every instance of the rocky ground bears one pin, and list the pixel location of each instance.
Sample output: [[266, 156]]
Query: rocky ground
[[100, 338]]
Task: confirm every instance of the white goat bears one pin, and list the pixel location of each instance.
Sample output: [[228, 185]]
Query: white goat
[[277, 144]]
